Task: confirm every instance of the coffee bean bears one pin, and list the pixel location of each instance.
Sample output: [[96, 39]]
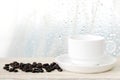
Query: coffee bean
[[35, 70], [56, 66], [11, 64], [60, 70], [52, 64], [14, 64], [52, 68], [41, 70], [23, 69], [5, 67], [30, 67], [7, 64], [39, 65], [47, 68], [45, 65], [15, 70], [21, 65], [34, 64], [11, 69], [28, 70]]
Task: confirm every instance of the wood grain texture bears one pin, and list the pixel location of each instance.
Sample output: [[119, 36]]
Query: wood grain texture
[[112, 74]]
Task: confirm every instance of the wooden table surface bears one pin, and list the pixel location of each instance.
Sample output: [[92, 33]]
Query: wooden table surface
[[113, 74]]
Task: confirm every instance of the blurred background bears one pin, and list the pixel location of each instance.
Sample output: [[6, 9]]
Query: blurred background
[[35, 28]]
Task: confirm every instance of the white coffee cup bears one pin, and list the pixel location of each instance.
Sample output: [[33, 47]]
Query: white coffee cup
[[87, 48]]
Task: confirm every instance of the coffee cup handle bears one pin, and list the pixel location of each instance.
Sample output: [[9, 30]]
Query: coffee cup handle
[[111, 47]]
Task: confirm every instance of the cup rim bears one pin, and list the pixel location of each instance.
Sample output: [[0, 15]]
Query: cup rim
[[84, 37]]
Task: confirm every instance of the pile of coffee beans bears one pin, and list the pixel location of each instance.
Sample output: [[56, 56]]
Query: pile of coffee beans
[[34, 67]]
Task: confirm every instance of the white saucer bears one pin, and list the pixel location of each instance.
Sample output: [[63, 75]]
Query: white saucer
[[65, 63]]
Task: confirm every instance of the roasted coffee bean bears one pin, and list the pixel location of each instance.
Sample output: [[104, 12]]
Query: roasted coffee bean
[[60, 70], [30, 67], [11, 69], [41, 70], [56, 66], [23, 69], [5, 67], [28, 64], [16, 64], [28, 70], [34, 64], [48, 70], [52, 64], [45, 65], [35, 70], [39, 65], [52, 68], [11, 64], [15, 70], [21, 65], [7, 64]]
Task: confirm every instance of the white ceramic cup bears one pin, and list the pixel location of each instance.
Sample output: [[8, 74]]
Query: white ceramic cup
[[89, 49]]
